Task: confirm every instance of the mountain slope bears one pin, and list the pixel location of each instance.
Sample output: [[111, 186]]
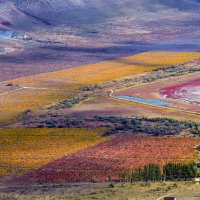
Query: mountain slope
[[25, 13], [70, 33]]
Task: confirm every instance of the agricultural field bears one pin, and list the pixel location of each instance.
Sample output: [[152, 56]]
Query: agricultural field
[[108, 160], [107, 71], [99, 99], [47, 89], [23, 150], [15, 103]]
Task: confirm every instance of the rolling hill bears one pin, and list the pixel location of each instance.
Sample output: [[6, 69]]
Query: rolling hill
[[24, 14], [68, 33]]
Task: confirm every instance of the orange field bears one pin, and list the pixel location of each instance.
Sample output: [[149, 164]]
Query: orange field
[[106, 161], [26, 149], [13, 105]]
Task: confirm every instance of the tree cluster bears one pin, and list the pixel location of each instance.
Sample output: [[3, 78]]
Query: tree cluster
[[169, 172]]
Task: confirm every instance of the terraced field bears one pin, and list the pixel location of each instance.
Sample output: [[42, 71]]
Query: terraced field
[[49, 88], [26, 149], [108, 160]]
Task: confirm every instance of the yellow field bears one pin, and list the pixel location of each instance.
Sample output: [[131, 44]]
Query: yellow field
[[12, 105], [107, 71], [25, 149]]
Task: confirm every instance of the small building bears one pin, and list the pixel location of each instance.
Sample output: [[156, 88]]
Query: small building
[[196, 180], [169, 198]]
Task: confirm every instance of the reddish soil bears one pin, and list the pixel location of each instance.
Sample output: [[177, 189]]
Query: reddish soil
[[152, 91], [105, 106], [183, 91], [109, 159]]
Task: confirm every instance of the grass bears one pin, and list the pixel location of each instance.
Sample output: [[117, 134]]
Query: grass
[[25, 149], [14, 104], [103, 191]]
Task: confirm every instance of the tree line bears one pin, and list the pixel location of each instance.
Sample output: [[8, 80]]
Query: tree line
[[169, 172]]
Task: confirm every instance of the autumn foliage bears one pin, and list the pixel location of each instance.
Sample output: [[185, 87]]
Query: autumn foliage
[[109, 160], [27, 149]]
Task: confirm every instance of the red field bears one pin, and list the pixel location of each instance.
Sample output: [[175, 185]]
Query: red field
[[109, 159]]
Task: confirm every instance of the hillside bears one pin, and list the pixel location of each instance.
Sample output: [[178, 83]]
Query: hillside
[[70, 33], [25, 14]]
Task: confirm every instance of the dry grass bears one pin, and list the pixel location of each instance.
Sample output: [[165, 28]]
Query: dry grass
[[102, 191], [25, 149]]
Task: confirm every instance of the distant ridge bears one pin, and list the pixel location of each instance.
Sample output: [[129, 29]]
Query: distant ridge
[[23, 14]]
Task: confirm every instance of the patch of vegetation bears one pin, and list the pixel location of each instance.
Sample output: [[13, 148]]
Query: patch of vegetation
[[169, 172], [150, 126], [150, 76], [70, 103], [153, 126], [92, 87]]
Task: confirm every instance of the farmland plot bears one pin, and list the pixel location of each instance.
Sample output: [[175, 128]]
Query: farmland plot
[[108, 160], [50, 88], [26, 149]]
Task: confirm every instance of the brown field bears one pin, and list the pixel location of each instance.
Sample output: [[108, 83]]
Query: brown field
[[6, 89], [151, 91], [106, 106]]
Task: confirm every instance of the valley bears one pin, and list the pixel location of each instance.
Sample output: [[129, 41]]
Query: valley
[[99, 99]]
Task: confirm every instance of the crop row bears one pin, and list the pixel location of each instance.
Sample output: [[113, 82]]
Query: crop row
[[109, 159], [26, 149]]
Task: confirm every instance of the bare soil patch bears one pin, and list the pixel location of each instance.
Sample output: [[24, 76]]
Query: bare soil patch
[[151, 91]]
